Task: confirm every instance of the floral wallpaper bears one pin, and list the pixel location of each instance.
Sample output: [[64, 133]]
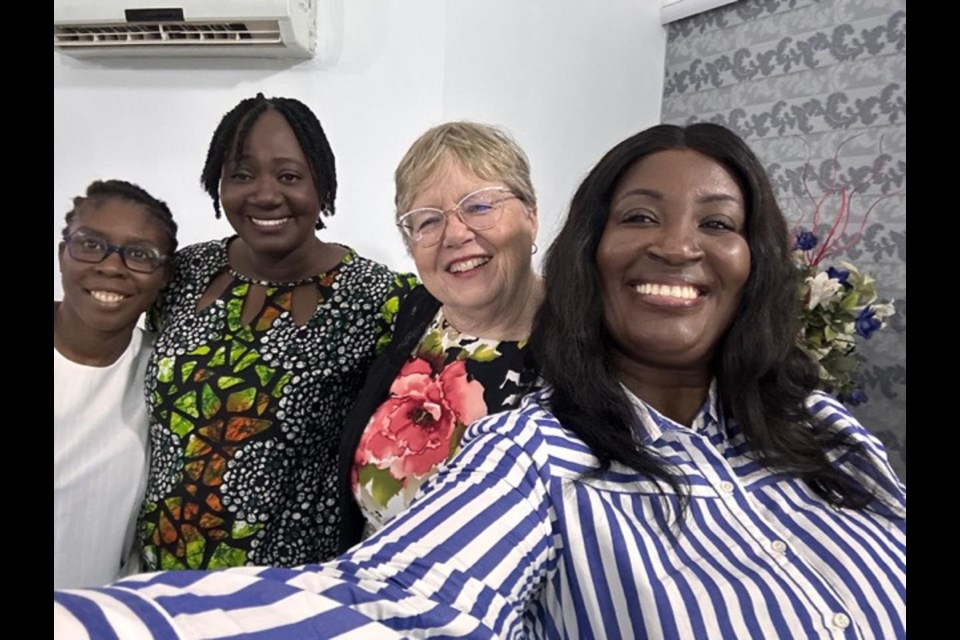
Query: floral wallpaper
[[819, 90]]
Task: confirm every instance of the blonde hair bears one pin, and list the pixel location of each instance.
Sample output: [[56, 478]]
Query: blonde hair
[[488, 152]]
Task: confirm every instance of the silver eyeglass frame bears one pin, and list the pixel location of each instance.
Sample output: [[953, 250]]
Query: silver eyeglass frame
[[409, 234]]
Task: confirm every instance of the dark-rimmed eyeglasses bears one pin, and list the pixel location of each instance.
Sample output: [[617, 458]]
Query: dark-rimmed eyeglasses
[[142, 258], [479, 210]]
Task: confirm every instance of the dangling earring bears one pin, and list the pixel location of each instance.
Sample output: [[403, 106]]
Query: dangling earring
[[534, 249], [323, 212]]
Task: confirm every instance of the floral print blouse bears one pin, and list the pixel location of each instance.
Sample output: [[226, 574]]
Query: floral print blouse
[[450, 380]]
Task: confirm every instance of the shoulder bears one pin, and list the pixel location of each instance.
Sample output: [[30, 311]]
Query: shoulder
[[141, 340], [416, 292], [363, 275], [836, 420], [854, 450], [199, 260], [201, 250], [358, 266], [532, 428], [410, 299]]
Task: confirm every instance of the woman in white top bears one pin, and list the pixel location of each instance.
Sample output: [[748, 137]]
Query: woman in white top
[[114, 260]]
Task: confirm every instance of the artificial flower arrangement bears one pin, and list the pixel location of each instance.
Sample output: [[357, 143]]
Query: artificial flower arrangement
[[840, 304]]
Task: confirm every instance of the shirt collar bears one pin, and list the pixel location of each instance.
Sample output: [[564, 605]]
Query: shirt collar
[[650, 424]]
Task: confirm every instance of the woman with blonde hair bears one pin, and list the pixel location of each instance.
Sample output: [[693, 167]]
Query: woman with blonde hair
[[468, 214]]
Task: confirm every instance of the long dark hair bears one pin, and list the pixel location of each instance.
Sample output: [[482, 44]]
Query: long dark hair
[[234, 128], [762, 376]]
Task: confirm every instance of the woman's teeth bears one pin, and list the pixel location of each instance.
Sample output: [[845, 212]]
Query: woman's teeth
[[467, 265], [263, 222], [107, 296], [667, 290]]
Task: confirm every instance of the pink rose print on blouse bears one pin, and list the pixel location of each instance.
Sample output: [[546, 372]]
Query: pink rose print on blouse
[[412, 429]]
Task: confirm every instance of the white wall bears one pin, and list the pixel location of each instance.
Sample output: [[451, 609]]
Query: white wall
[[568, 78]]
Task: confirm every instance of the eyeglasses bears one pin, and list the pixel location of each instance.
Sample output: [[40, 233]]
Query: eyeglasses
[[478, 210], [142, 258]]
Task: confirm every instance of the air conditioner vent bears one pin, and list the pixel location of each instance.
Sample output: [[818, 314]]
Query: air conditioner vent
[[198, 28], [213, 34]]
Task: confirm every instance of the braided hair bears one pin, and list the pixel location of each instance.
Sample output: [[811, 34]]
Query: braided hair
[[234, 129], [101, 191]]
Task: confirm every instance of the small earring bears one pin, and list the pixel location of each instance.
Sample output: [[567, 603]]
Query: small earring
[[534, 249], [325, 212]]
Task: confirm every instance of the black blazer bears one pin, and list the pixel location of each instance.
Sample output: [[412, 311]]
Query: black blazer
[[414, 316]]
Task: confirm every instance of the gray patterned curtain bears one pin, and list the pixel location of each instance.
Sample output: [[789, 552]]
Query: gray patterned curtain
[[800, 79]]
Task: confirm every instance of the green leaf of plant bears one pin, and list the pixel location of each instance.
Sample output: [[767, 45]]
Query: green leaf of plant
[[849, 302]]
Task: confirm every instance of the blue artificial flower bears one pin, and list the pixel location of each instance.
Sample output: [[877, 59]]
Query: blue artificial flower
[[854, 398], [840, 275], [867, 322], [806, 240]]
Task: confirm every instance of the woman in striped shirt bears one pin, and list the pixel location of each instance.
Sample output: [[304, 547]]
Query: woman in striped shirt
[[681, 478]]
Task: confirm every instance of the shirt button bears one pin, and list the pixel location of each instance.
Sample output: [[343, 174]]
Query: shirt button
[[780, 547], [841, 621], [726, 486]]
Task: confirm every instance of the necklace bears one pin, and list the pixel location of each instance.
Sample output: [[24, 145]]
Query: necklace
[[276, 284], [272, 284]]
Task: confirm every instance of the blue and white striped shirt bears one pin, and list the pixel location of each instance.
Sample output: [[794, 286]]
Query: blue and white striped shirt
[[511, 540]]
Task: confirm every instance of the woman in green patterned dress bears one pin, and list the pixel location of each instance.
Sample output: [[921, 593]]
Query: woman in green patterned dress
[[265, 340]]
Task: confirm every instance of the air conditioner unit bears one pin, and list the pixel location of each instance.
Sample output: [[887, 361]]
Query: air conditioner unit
[[222, 28]]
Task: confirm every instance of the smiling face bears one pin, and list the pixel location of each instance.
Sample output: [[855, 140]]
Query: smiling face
[[475, 273], [674, 259], [268, 193], [107, 296]]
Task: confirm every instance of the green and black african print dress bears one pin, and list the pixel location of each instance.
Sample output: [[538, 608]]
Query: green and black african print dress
[[246, 418]]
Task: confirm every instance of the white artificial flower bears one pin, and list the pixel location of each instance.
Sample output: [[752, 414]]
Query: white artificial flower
[[883, 311], [823, 289]]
